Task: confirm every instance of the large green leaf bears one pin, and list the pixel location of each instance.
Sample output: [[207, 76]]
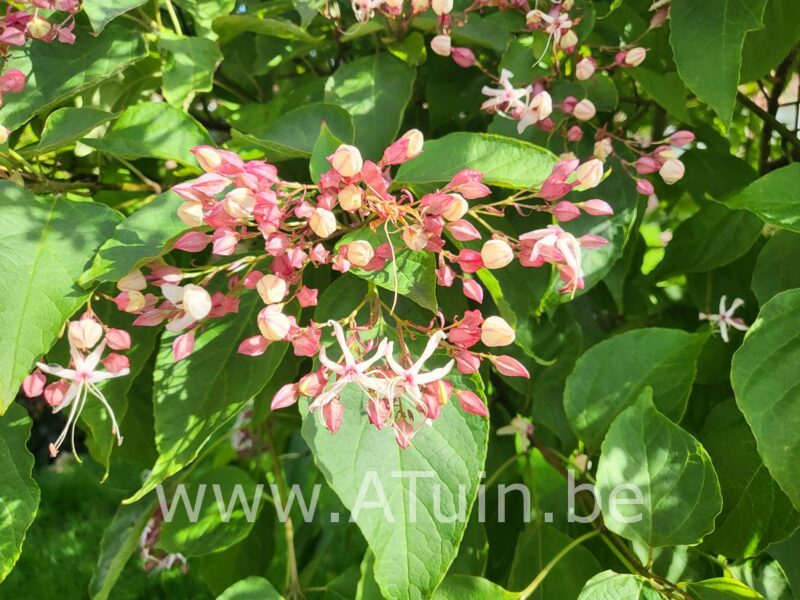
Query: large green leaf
[[57, 71], [325, 145], [45, 245], [504, 162], [613, 586], [205, 11], [294, 134], [722, 589], [536, 547], [196, 396], [707, 39], [201, 527], [670, 469], [467, 587], [776, 269], [755, 511], [766, 48], [610, 376], [665, 88], [67, 125], [375, 91], [252, 588], [140, 238], [711, 238], [153, 129], [19, 494], [120, 541], [775, 198], [767, 386], [228, 27], [411, 274], [189, 65], [102, 12], [413, 549]]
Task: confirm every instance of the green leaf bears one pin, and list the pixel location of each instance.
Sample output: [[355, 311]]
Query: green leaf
[[468, 587], [19, 494], [707, 40], [102, 12], [599, 89], [722, 589], [413, 550], [670, 469], [411, 49], [228, 27], [326, 144], [120, 541], [613, 586], [196, 396], [155, 130], [504, 162], [67, 125], [609, 377], [775, 198], [189, 66], [767, 387], [57, 71], [44, 246], [294, 134], [665, 88], [375, 91], [536, 547], [711, 238], [252, 588], [211, 493], [755, 511], [766, 48], [776, 266], [476, 30], [411, 274], [137, 240], [340, 298]]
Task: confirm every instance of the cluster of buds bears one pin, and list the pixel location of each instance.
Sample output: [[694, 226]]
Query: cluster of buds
[[557, 24], [664, 161], [155, 560], [88, 340], [28, 22]]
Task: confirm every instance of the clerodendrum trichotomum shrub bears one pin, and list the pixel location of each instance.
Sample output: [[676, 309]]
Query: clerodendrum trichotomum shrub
[[400, 299]]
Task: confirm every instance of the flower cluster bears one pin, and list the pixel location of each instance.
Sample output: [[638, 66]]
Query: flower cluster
[[88, 340]]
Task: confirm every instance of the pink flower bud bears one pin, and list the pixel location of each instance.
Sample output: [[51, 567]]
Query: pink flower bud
[[38, 28], [346, 160], [193, 241], [441, 45], [585, 68], [33, 384], [473, 290], [646, 165], [11, 36], [568, 41], [566, 211], [118, 339], [84, 333], [681, 138], [467, 362], [469, 260], [584, 110], [322, 222], [672, 171], [589, 174], [183, 346], [456, 208], [332, 414], [496, 332], [132, 281], [442, 7], [271, 288], [496, 254], [445, 276], [415, 237], [603, 149], [471, 403], [644, 187], [191, 213], [287, 395], [116, 363], [575, 134], [239, 203], [360, 253], [273, 324], [312, 384], [349, 197], [463, 230], [509, 366], [55, 392], [12, 81], [659, 17], [596, 207], [307, 341], [307, 297], [467, 182], [253, 346], [592, 241], [208, 158], [463, 57], [131, 301], [635, 56]]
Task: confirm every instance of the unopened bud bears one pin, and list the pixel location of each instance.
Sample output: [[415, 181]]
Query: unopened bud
[[496, 332], [442, 7], [196, 301], [360, 253], [191, 213], [271, 288], [346, 160], [239, 203], [132, 281], [496, 254], [635, 57], [672, 171], [441, 45], [349, 197], [85, 333], [584, 110], [456, 209], [322, 222], [585, 69], [589, 174], [38, 28], [273, 324]]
